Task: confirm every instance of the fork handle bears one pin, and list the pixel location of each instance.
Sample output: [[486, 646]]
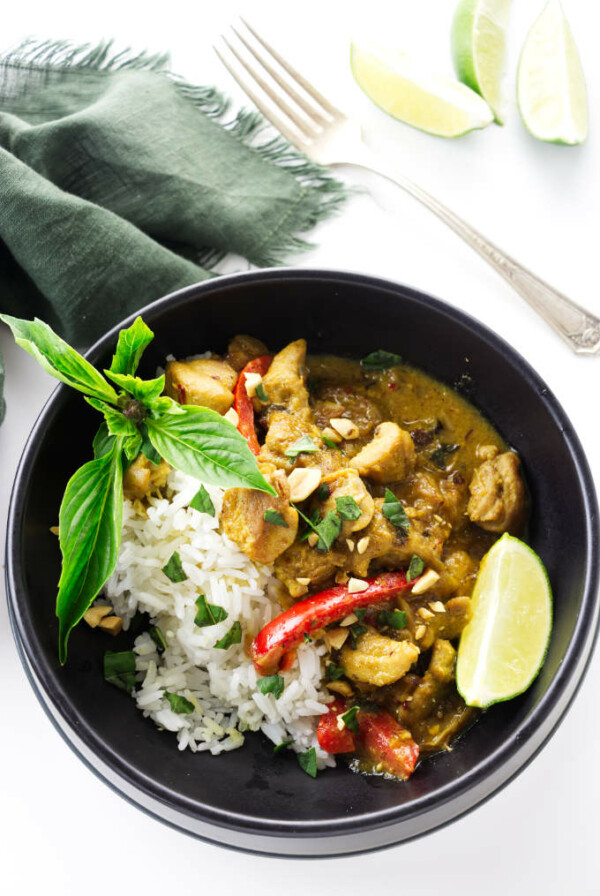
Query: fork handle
[[579, 328]]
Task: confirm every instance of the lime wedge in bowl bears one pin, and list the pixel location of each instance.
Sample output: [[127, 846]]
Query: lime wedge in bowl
[[479, 48], [434, 103], [550, 83], [504, 645]]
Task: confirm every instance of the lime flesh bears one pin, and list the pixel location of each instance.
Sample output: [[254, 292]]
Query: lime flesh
[[504, 645], [479, 48], [433, 103]]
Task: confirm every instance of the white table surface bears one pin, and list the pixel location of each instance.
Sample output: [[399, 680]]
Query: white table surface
[[64, 832]]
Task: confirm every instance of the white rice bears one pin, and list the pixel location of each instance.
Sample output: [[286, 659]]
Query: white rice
[[221, 684]]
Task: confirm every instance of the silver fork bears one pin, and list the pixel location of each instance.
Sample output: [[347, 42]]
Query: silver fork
[[329, 137]]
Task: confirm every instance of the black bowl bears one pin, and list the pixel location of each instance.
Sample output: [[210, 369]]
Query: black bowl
[[249, 799]]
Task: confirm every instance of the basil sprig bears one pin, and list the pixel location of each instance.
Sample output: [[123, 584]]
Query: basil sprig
[[136, 417]]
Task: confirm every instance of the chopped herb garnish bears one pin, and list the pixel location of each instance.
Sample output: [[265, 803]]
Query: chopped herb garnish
[[233, 636], [331, 444], [334, 672], [380, 360], [394, 511], [261, 393], [360, 613], [179, 704], [278, 748], [275, 518], [442, 455], [392, 618], [119, 668], [307, 638], [349, 719], [323, 492], [303, 445], [328, 530], [158, 638], [202, 502], [174, 569], [415, 567], [208, 614], [355, 631], [347, 508], [271, 684], [308, 762], [311, 521]]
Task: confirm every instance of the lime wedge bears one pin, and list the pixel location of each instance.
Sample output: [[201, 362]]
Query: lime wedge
[[479, 48], [503, 647], [550, 84], [433, 103]]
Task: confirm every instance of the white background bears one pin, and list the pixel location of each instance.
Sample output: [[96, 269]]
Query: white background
[[64, 832]]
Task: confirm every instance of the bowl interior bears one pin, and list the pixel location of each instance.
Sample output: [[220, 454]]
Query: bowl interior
[[349, 316]]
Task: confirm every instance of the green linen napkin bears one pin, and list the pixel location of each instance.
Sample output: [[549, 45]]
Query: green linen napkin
[[120, 182]]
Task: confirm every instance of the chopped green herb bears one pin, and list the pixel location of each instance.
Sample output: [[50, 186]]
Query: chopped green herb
[[208, 614], [174, 569], [275, 518], [380, 360], [278, 748], [158, 638], [331, 444], [442, 455], [271, 684], [347, 508], [308, 762], [355, 631], [360, 613], [307, 638], [233, 636], [415, 567], [260, 393], [311, 521], [179, 704], [334, 672], [394, 511], [119, 668], [202, 502], [328, 530], [392, 618], [323, 492], [349, 719], [303, 445]]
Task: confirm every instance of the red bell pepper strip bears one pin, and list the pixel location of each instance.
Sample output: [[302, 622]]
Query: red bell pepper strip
[[330, 737], [385, 743], [242, 403], [287, 630]]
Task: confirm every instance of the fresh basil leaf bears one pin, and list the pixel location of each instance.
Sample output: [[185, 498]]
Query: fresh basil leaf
[[381, 360], [360, 613], [303, 445], [394, 511], [275, 518], [392, 618], [323, 492], [117, 423], [349, 719], [355, 632], [103, 441], [164, 406], [179, 704], [334, 672], [147, 448], [331, 444], [119, 669], [328, 530], [208, 614], [278, 748], [130, 347], [146, 391], [90, 523], [202, 502], [415, 567], [308, 762], [347, 507], [58, 358], [201, 443], [132, 446], [233, 636], [261, 394], [442, 455], [173, 569], [271, 684], [158, 638]]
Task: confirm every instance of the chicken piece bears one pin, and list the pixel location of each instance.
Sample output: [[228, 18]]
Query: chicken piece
[[205, 382], [459, 575], [338, 401], [142, 477], [430, 495], [446, 625], [347, 483], [243, 519], [301, 561], [436, 682], [498, 500], [378, 660], [424, 540], [381, 535], [388, 457], [284, 430], [284, 382], [243, 349]]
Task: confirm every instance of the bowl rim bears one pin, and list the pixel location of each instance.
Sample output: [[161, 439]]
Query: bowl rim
[[560, 692]]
